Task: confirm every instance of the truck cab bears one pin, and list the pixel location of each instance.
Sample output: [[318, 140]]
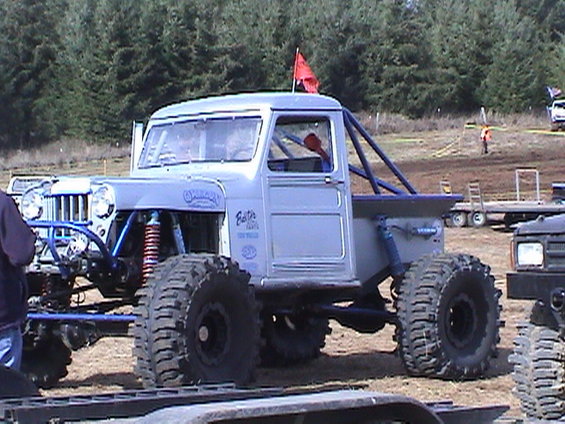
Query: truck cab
[[287, 203]]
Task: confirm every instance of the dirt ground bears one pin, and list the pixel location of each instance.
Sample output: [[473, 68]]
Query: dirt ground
[[368, 361]]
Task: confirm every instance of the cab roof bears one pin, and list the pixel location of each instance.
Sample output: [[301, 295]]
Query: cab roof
[[249, 102]]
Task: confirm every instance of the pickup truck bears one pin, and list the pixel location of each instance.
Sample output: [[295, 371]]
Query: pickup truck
[[237, 237], [538, 256], [557, 115]]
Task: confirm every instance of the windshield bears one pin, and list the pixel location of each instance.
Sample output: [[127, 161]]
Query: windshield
[[202, 140]]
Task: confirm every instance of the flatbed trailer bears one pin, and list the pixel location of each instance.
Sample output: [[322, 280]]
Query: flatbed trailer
[[467, 213], [227, 404], [477, 212]]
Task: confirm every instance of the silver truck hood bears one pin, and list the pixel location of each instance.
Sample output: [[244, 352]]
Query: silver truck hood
[[193, 193]]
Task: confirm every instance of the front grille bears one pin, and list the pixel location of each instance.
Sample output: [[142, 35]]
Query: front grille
[[555, 253], [67, 208]]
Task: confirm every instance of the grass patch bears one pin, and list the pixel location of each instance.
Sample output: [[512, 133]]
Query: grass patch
[[62, 153], [407, 140]]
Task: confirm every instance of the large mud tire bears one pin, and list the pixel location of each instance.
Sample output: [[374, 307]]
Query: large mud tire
[[292, 339], [14, 384], [197, 322], [46, 363], [448, 314], [539, 372]]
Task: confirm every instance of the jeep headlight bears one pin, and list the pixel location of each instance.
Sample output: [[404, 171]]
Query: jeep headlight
[[529, 253], [103, 201], [31, 204]]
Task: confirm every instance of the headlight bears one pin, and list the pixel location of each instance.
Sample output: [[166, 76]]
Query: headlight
[[529, 253], [103, 202], [31, 204]]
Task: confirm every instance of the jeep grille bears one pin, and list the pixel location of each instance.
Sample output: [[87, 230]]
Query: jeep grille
[[68, 208]]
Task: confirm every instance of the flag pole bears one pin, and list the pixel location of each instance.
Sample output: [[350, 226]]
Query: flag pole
[[294, 70]]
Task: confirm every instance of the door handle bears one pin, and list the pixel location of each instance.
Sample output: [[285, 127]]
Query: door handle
[[333, 181]]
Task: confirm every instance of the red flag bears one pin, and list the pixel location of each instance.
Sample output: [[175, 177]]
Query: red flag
[[304, 75]]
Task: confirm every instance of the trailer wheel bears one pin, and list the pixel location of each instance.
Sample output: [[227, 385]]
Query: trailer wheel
[[46, 362], [448, 314], [292, 339], [478, 218], [458, 219], [539, 372], [197, 321], [14, 384]]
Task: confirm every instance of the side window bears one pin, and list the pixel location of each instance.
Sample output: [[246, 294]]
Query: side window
[[301, 144]]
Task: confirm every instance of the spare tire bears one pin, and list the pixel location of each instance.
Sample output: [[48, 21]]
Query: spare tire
[[448, 314]]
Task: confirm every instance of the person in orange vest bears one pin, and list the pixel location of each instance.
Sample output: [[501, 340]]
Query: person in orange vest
[[485, 138]]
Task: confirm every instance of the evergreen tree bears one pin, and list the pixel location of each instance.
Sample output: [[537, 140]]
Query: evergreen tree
[[514, 80], [255, 45], [401, 67], [28, 43], [104, 47], [330, 38], [86, 68], [549, 15]]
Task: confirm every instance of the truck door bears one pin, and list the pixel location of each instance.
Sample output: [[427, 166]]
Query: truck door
[[307, 205]]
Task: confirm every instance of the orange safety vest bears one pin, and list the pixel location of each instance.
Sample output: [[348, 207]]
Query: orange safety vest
[[485, 134]]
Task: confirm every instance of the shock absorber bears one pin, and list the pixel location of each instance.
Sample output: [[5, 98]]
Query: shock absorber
[[151, 245]]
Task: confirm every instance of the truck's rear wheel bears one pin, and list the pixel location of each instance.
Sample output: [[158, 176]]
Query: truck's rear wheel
[[197, 321], [448, 314], [292, 339], [45, 363], [539, 372]]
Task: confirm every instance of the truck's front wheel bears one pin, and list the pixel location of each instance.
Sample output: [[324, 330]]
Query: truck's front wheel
[[539, 372], [197, 321], [448, 314]]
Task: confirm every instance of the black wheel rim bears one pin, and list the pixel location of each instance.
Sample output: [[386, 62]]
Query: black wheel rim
[[213, 335], [461, 323]]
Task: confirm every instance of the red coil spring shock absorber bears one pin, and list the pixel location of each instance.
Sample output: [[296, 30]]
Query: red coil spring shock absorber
[[151, 245]]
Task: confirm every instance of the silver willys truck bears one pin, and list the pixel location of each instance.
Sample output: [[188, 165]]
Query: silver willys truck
[[237, 237]]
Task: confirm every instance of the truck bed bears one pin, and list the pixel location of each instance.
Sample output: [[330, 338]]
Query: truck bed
[[403, 205]]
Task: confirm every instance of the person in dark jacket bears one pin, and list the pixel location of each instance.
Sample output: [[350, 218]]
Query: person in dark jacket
[[17, 247]]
